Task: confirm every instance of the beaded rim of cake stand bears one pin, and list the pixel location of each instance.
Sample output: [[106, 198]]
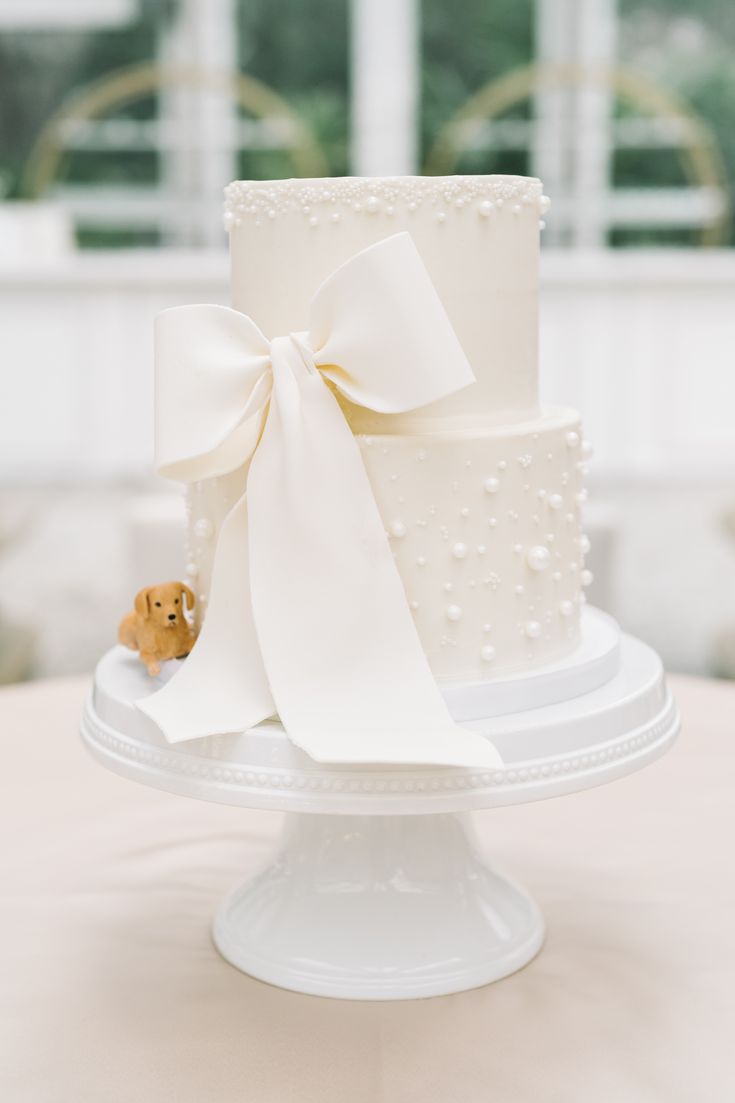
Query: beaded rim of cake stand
[[436, 781]]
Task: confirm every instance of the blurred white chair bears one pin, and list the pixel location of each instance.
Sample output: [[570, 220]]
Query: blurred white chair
[[34, 231]]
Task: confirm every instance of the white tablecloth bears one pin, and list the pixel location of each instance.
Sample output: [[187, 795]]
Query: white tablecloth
[[111, 991]]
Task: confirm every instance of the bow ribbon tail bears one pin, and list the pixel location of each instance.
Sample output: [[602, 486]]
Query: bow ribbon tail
[[339, 646], [219, 689]]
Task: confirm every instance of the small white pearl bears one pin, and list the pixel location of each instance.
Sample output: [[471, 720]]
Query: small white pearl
[[481, 549], [203, 529], [519, 589], [566, 608], [372, 205], [587, 449], [397, 529], [441, 217], [518, 548], [492, 522], [421, 561], [192, 570], [556, 576], [487, 627], [586, 578], [502, 465], [491, 485], [414, 605], [459, 551], [313, 221], [538, 557], [487, 653], [203, 598], [532, 628], [453, 612], [486, 208], [516, 208], [541, 224], [584, 543], [556, 501], [544, 203], [582, 497], [229, 221], [464, 512], [573, 440], [448, 587]]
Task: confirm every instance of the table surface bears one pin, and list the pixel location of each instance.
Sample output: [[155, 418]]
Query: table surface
[[111, 989]]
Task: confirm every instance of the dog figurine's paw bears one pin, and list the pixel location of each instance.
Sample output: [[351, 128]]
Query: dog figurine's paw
[[158, 628]]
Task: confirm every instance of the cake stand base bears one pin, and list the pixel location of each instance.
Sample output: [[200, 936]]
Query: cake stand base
[[378, 908]]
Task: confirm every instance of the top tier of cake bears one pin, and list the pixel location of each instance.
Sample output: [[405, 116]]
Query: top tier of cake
[[477, 235]]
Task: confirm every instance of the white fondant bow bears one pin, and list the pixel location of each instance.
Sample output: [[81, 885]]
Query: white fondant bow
[[307, 615]]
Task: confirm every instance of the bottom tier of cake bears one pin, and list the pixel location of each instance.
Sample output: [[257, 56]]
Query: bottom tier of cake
[[485, 527]]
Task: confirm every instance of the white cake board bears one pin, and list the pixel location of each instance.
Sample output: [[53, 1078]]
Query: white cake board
[[376, 889]]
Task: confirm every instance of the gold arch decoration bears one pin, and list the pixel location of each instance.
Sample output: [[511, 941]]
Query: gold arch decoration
[[132, 83], [699, 155]]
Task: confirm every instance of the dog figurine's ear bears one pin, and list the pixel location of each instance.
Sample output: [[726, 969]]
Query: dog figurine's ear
[[142, 602], [190, 599]]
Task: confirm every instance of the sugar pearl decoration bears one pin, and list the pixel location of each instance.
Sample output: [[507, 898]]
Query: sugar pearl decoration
[[573, 440], [584, 543], [491, 486], [566, 608], [544, 203], [397, 529], [538, 557], [459, 551], [421, 561], [464, 512], [486, 208], [487, 653], [587, 449], [372, 206], [192, 570], [586, 578], [532, 629], [203, 529], [556, 501], [453, 612]]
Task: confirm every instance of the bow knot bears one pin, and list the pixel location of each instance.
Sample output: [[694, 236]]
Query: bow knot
[[307, 616]]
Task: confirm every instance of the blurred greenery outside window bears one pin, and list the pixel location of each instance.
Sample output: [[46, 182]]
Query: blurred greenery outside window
[[299, 48]]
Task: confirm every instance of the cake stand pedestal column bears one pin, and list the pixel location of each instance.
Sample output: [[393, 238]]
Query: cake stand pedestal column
[[378, 907]]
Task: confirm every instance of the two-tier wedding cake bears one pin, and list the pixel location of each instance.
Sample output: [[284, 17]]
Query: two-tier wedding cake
[[378, 507]]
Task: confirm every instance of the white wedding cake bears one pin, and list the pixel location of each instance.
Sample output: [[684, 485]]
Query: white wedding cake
[[480, 492], [382, 519]]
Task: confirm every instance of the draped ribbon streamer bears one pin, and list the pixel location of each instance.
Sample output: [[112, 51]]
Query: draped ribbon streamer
[[307, 615]]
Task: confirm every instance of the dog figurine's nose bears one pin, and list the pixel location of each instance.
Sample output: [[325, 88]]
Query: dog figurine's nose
[[172, 616]]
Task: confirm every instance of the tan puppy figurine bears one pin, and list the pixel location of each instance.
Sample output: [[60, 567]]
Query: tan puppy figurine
[[157, 628]]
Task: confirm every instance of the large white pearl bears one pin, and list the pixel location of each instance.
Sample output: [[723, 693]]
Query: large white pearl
[[491, 485], [556, 501], [486, 208], [538, 557], [532, 629], [459, 551], [454, 612]]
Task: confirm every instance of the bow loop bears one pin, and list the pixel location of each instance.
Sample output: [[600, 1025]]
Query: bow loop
[[380, 333], [213, 382]]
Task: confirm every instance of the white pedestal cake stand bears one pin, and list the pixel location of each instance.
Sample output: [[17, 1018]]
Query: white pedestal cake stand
[[377, 889]]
